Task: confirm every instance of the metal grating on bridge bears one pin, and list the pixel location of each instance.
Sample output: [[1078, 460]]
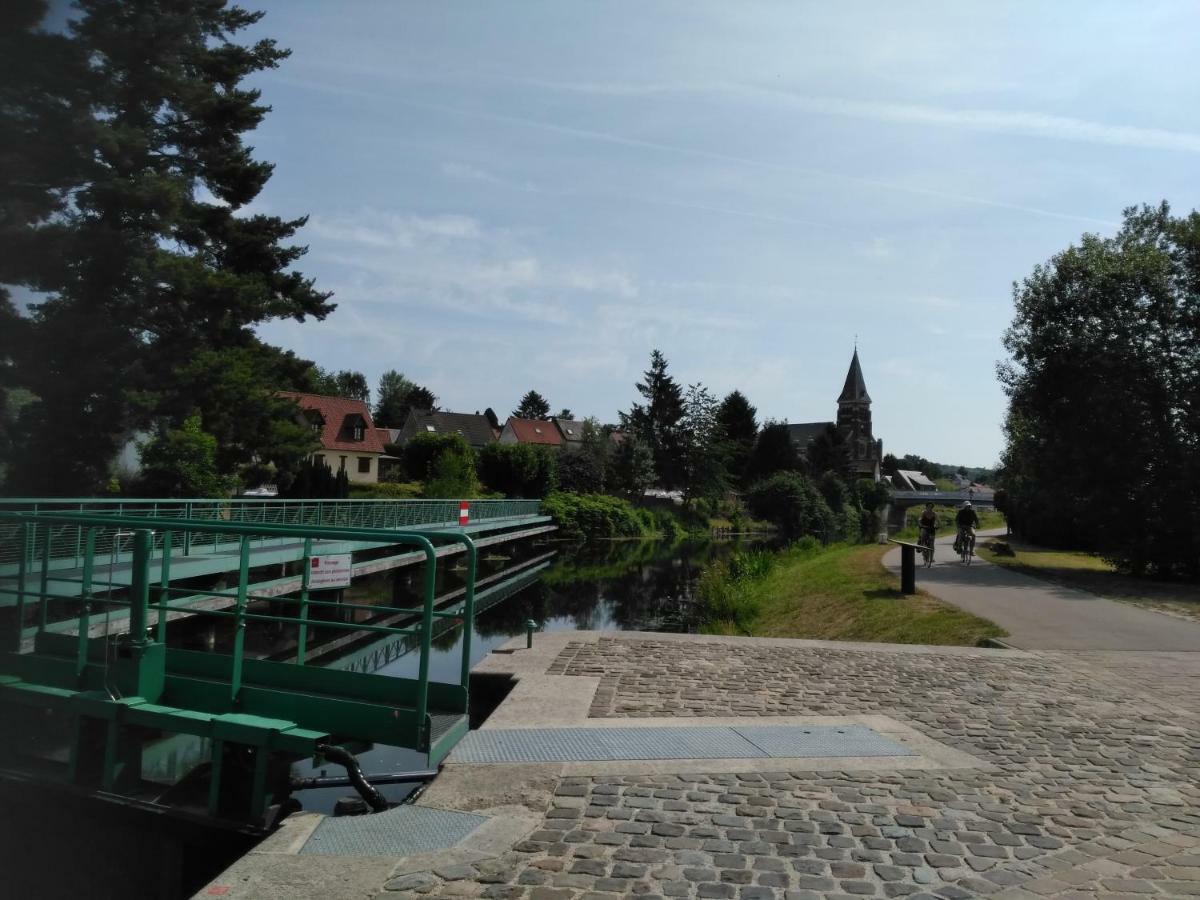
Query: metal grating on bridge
[[510, 745], [400, 831]]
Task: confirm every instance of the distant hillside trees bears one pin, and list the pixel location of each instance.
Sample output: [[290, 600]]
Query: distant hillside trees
[[1103, 426]]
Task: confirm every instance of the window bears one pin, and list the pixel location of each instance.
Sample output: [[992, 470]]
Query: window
[[342, 467], [358, 432], [316, 427], [430, 428], [364, 464], [318, 458], [537, 430]]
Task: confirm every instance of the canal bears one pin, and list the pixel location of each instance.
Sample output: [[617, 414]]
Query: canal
[[606, 586]]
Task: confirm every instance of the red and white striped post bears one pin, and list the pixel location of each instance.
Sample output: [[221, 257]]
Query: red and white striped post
[[464, 512]]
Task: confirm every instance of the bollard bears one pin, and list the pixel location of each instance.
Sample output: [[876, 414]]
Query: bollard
[[530, 626], [908, 569]]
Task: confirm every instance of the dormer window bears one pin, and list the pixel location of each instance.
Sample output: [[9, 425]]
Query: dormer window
[[430, 429], [358, 432], [316, 427]]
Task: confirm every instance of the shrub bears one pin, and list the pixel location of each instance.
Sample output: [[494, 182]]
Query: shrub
[[423, 451], [580, 472], [518, 470], [789, 501], [584, 516], [390, 490], [452, 475]]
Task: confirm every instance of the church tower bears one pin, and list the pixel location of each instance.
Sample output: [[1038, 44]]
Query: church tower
[[854, 423]]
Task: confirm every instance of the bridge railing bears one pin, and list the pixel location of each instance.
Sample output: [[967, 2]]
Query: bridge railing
[[150, 590], [62, 545]]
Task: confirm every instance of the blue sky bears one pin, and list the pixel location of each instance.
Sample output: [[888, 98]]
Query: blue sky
[[536, 194]]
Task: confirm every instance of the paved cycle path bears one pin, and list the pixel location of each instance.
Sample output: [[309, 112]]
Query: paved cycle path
[[1039, 615]]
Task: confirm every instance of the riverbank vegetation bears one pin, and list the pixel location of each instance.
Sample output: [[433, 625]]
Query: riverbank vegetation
[[1094, 574], [1103, 423], [841, 592]]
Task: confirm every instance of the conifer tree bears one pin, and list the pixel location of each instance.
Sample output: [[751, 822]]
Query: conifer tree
[[139, 234], [656, 423]]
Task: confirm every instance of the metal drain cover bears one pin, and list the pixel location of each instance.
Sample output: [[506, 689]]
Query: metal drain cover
[[400, 831], [501, 745]]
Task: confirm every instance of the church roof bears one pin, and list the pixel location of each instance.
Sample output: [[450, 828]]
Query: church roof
[[856, 388]]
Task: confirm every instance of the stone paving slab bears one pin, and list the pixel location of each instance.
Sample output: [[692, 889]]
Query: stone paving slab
[[1086, 784]]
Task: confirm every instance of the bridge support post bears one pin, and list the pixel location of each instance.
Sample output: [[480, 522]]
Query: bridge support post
[[908, 569]]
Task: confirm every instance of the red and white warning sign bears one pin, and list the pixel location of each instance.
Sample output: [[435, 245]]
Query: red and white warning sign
[[464, 512], [329, 571]]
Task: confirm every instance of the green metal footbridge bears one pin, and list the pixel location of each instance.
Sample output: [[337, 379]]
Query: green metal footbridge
[[90, 677]]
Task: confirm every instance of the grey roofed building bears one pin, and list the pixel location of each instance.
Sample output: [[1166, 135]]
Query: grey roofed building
[[804, 433], [910, 480], [474, 427], [572, 432]]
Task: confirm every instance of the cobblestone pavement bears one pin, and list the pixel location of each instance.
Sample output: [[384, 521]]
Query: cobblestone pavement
[[1087, 785]]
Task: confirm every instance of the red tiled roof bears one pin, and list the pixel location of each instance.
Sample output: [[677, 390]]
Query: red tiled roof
[[340, 414], [535, 431]]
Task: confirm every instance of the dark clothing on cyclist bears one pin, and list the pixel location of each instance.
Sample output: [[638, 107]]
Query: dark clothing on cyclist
[[928, 520], [966, 518]]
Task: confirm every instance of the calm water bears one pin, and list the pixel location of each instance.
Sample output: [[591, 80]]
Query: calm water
[[622, 586]]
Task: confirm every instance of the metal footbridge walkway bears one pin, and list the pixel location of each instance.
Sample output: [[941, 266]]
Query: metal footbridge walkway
[[80, 708]]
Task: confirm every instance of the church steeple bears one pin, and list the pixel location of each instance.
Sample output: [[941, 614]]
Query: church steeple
[[855, 389]]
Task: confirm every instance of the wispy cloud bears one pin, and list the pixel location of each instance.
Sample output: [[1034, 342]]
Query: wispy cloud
[[373, 228], [615, 139], [1000, 121]]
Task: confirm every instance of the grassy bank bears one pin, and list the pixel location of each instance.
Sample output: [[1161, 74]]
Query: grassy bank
[[1088, 572], [837, 593]]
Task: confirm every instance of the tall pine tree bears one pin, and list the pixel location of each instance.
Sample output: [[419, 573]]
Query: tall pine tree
[[657, 422], [140, 240]]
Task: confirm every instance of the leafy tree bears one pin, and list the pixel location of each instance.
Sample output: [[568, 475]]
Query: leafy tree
[[345, 383], [182, 462], [889, 465], [631, 468], [773, 452], [702, 444], [827, 452], [737, 421], [1103, 424], [594, 442], [398, 396], [657, 422], [452, 471], [564, 413], [132, 223], [789, 501], [580, 473], [424, 450], [518, 470], [533, 406]]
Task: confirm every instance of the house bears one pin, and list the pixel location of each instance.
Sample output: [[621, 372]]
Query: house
[[349, 440], [474, 427], [531, 431], [909, 480], [571, 431]]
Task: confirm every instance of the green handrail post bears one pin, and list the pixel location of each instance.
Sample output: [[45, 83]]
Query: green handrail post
[[468, 612], [139, 586], [164, 585], [22, 566], [45, 579], [239, 633], [426, 643], [187, 535], [85, 609], [305, 575]]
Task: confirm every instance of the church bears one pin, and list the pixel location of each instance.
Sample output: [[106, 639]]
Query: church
[[864, 452]]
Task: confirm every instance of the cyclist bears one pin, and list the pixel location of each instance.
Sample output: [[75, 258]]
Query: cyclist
[[927, 525], [967, 520]]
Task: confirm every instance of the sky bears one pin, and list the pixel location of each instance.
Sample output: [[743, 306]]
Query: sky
[[535, 195]]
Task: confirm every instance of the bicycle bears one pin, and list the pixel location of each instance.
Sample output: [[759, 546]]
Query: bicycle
[[925, 541], [966, 545]]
